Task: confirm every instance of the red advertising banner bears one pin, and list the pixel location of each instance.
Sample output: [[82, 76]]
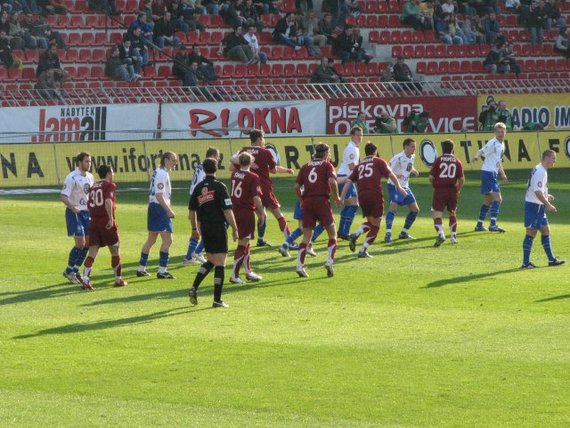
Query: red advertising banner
[[448, 114]]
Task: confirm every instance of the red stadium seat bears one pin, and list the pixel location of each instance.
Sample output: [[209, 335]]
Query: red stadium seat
[[371, 7], [77, 22], [29, 74], [430, 51], [540, 65], [418, 37], [432, 67], [74, 39], [71, 55], [440, 51], [385, 37], [443, 67], [132, 6], [371, 21], [374, 37], [397, 51], [165, 71], [252, 70], [289, 70], [216, 37], [395, 37], [420, 51], [465, 67], [277, 53], [406, 36], [408, 51], [192, 37], [87, 39], [228, 71], [382, 21], [204, 38], [239, 70], [372, 69], [349, 69], [454, 67], [98, 55], [97, 72], [393, 21], [360, 68], [302, 70], [277, 70], [63, 21], [84, 55], [421, 68], [288, 52], [264, 70], [100, 39]]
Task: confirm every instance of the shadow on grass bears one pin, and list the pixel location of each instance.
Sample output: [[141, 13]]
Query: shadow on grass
[[49, 291], [467, 278], [106, 324], [550, 299]]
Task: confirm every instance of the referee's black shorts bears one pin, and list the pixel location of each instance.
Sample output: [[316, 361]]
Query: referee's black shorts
[[215, 237]]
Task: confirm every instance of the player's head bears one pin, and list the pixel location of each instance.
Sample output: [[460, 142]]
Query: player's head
[[168, 160], [500, 130], [210, 166], [356, 133], [409, 146], [447, 147], [83, 161], [321, 151], [370, 149], [213, 153], [548, 158], [257, 137], [104, 170], [245, 159]]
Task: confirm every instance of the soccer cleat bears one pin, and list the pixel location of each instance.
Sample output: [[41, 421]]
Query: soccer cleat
[[556, 262], [453, 240], [480, 228], [252, 276], [388, 238], [263, 243], [86, 284], [529, 265], [344, 237], [78, 276], [190, 261], [301, 272], [71, 277], [199, 258], [352, 242], [364, 255], [283, 251], [405, 235], [220, 304], [121, 283], [496, 229], [193, 295], [165, 275], [440, 240], [142, 273], [294, 247], [311, 252], [236, 280], [329, 268]]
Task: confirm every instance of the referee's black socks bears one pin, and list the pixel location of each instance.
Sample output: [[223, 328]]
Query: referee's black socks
[[202, 273], [218, 283]]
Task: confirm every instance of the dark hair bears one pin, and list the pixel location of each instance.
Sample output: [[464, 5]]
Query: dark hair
[[447, 147], [210, 166], [425, 114], [321, 150], [354, 129], [81, 157], [370, 149], [212, 152], [245, 159], [407, 142], [103, 170], [255, 134]]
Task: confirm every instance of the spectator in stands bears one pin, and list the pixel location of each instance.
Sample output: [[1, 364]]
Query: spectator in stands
[[19, 39], [249, 12], [181, 64], [561, 43], [233, 15], [157, 8], [212, 6], [174, 8], [53, 7], [131, 56], [448, 6], [535, 20], [384, 124], [386, 75], [426, 9], [491, 28], [404, 76], [360, 121], [324, 73], [495, 62], [417, 122], [145, 34], [106, 6], [206, 70], [48, 61], [509, 58], [30, 7], [348, 46], [445, 32], [164, 32], [338, 10], [49, 84], [6, 56], [5, 21], [115, 68], [499, 114], [360, 53], [553, 16], [54, 38], [190, 14], [309, 25], [326, 28], [236, 47], [139, 45], [488, 108], [411, 15], [470, 33], [304, 5], [251, 38], [287, 32], [148, 11]]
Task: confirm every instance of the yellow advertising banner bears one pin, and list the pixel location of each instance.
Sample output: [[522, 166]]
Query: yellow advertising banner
[[552, 111], [32, 165]]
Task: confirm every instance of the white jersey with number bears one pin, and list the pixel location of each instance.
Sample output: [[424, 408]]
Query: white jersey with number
[[76, 187], [197, 178], [492, 152], [402, 166], [350, 155], [160, 183], [537, 182]]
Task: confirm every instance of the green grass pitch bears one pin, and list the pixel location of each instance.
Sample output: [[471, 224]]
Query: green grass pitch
[[415, 337]]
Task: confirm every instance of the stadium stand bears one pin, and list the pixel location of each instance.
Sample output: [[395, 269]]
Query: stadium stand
[[88, 36]]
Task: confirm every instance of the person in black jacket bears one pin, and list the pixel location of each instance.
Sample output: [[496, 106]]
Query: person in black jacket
[[287, 32], [48, 60], [205, 66], [164, 30], [210, 208], [236, 47]]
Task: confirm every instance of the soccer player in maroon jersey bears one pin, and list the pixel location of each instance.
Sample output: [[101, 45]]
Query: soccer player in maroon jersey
[[317, 179], [447, 178], [103, 227], [246, 200], [263, 165], [367, 176]]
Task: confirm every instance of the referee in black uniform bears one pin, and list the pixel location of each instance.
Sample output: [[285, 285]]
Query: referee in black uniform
[[210, 208]]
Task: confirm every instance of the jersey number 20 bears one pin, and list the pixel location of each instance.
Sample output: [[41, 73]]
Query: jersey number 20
[[448, 170]]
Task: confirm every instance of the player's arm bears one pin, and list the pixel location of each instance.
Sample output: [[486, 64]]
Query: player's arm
[[193, 223], [396, 182], [414, 172], [459, 184], [68, 204], [502, 173], [334, 189], [164, 205], [348, 183], [298, 192], [481, 152], [282, 170], [545, 200], [230, 219], [109, 210], [259, 209], [351, 166]]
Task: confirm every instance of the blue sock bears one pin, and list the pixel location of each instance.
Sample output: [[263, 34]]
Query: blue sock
[[527, 246], [200, 247], [144, 259], [494, 212], [80, 258], [346, 218], [390, 219], [482, 214], [547, 248], [294, 235], [317, 232], [73, 255], [192, 244], [163, 259], [410, 218], [261, 229]]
